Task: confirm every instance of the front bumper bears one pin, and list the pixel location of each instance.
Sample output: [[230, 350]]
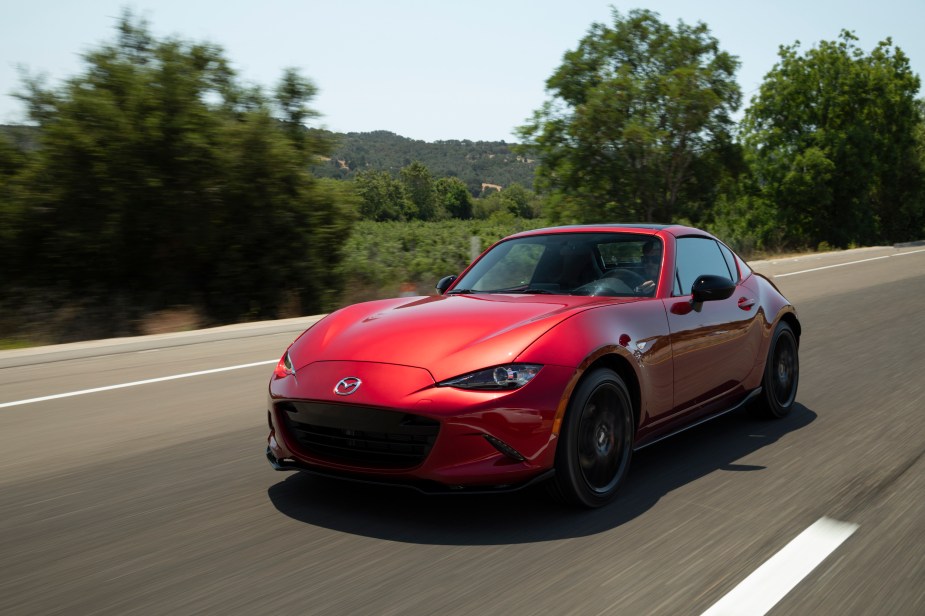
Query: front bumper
[[487, 441]]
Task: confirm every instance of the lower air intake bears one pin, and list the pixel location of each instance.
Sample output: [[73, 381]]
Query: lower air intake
[[359, 436]]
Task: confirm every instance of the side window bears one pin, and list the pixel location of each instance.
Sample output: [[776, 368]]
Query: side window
[[730, 263], [697, 256]]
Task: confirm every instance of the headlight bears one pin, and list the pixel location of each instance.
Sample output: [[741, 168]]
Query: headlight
[[284, 367], [510, 376]]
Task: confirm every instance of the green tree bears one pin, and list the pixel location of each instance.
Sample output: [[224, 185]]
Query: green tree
[[514, 201], [453, 197], [292, 97], [419, 188], [161, 179], [831, 141], [519, 201], [12, 163], [382, 196], [632, 110]]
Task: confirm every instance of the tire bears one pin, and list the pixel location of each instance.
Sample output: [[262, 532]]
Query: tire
[[781, 374], [596, 442]]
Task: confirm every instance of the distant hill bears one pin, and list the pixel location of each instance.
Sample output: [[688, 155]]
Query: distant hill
[[477, 163]]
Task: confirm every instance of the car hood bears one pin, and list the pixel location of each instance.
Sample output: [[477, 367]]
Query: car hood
[[446, 335]]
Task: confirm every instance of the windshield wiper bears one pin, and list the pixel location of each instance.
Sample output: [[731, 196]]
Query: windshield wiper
[[527, 290], [532, 291]]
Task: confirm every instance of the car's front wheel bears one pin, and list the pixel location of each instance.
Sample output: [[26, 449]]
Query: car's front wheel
[[781, 373], [596, 441]]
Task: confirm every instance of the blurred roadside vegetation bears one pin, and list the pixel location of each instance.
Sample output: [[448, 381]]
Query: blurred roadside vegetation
[[156, 185], [158, 179], [386, 258]]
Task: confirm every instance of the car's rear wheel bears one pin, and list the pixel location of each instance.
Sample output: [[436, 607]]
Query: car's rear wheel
[[781, 373], [596, 441]]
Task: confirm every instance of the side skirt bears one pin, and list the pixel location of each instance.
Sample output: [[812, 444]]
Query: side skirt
[[751, 396]]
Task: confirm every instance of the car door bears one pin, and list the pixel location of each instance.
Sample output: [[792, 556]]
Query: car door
[[714, 344]]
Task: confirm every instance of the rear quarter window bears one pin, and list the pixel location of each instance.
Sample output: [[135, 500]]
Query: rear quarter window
[[730, 262]]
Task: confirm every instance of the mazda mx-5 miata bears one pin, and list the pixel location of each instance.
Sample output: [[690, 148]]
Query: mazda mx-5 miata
[[552, 357]]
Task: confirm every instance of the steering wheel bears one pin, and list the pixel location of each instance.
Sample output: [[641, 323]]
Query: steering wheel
[[612, 287], [631, 278]]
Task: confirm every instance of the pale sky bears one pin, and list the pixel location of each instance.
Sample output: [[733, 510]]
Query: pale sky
[[426, 69]]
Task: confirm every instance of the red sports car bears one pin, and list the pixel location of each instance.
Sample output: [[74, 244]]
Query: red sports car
[[552, 357]]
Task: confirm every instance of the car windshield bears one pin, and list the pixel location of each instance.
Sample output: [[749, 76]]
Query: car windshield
[[611, 264]]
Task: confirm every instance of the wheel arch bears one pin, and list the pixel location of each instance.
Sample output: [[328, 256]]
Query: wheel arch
[[612, 359], [624, 370], [791, 319]]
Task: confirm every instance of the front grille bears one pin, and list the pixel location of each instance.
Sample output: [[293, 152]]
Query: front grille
[[358, 435]]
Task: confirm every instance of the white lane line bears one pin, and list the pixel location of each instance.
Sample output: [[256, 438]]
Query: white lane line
[[911, 252], [135, 383], [816, 269], [771, 582]]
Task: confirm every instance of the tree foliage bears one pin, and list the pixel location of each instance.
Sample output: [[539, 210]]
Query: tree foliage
[[415, 195], [453, 198], [12, 161], [381, 196], [509, 203], [419, 190], [637, 112], [161, 179], [831, 140]]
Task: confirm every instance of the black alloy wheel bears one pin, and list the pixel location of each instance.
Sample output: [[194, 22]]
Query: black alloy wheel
[[596, 441], [781, 373]]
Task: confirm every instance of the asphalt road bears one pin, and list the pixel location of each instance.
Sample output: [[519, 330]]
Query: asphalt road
[[156, 498]]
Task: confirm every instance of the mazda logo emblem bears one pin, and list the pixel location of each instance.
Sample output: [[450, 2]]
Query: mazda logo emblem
[[347, 386]]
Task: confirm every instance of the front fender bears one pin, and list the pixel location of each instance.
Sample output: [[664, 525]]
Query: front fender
[[634, 333]]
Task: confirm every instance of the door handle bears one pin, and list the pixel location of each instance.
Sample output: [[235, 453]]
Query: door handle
[[746, 303]]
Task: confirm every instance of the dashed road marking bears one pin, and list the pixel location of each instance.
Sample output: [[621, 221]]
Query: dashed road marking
[[825, 267], [771, 582]]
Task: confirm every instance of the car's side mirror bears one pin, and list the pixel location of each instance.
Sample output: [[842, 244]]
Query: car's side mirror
[[444, 283], [709, 288]]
